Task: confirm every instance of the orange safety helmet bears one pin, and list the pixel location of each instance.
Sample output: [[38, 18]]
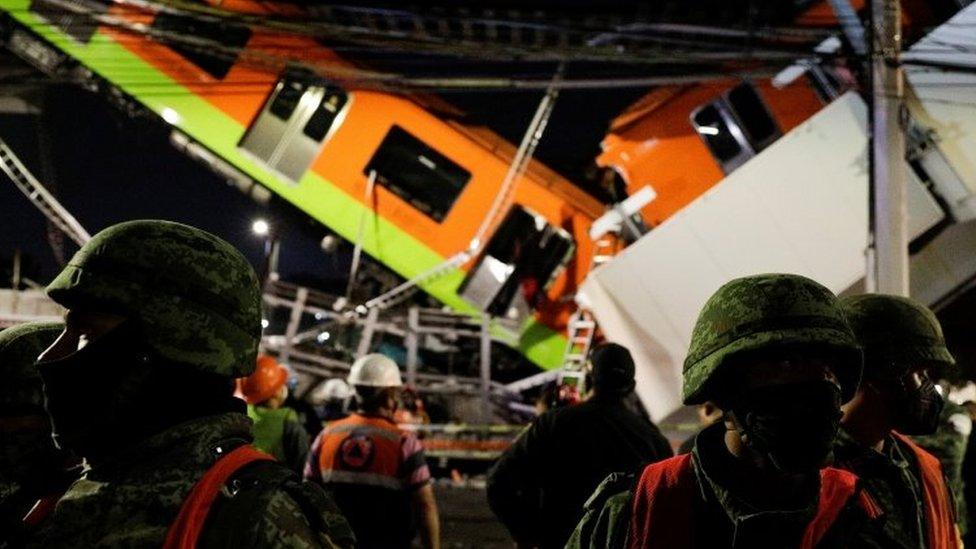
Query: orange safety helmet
[[267, 379]]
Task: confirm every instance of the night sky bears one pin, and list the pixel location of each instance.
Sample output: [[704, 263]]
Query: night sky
[[110, 168]]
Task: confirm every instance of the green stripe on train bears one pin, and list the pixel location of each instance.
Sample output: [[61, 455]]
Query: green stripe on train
[[314, 195]]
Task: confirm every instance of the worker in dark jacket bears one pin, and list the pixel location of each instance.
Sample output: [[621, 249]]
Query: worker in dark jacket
[[540, 484]]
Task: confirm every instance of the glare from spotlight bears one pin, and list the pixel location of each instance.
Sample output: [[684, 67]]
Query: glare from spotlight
[[265, 323], [261, 227], [323, 337]]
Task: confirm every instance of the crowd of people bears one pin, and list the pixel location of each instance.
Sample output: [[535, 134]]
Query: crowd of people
[[148, 419]]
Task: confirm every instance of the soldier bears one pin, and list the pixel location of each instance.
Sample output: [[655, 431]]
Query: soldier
[[161, 318], [31, 467], [775, 354], [948, 444], [902, 340]]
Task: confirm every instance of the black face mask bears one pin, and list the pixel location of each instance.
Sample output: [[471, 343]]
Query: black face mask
[[85, 391], [916, 406], [793, 426]]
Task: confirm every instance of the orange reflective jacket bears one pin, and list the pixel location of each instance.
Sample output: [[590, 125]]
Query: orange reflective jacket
[[661, 511], [362, 450], [940, 516]]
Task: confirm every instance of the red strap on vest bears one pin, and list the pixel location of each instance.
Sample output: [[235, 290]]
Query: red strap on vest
[[41, 510], [940, 524], [836, 487], [661, 510], [186, 529], [661, 517]]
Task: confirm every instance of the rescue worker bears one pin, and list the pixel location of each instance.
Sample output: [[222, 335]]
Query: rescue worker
[[538, 487], [376, 471], [901, 340], [331, 400], [161, 319], [31, 467], [776, 355], [276, 427]]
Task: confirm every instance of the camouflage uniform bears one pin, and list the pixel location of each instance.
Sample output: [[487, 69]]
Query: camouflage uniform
[[895, 333], [949, 444], [132, 500], [745, 315], [31, 466], [196, 303]]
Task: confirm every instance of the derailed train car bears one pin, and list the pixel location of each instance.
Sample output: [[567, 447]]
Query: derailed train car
[[234, 100]]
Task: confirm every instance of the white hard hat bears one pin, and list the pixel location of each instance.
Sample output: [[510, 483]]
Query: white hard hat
[[374, 370], [330, 389]]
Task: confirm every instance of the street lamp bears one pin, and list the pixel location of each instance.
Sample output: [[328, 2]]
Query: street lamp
[[261, 227]]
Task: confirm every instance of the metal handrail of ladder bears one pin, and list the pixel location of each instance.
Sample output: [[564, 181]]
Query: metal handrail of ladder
[[24, 180]]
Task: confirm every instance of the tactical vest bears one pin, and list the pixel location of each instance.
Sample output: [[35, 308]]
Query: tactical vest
[[940, 523], [269, 428], [661, 510], [185, 530], [362, 450]]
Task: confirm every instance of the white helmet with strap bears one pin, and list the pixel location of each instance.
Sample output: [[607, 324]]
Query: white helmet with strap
[[374, 370]]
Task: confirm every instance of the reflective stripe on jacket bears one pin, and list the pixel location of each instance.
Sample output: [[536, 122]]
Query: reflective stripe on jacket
[[362, 450]]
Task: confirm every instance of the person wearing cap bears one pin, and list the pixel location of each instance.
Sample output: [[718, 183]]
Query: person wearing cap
[[903, 343], [376, 471], [539, 485], [776, 355], [276, 427]]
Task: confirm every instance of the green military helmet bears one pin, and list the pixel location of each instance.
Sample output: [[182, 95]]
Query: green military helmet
[[895, 332], [762, 311], [21, 390], [195, 296]]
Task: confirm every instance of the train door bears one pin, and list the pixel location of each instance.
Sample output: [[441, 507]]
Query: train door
[[296, 120], [523, 256]]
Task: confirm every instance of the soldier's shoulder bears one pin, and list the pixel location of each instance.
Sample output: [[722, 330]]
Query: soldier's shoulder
[[615, 489], [606, 518], [267, 505]]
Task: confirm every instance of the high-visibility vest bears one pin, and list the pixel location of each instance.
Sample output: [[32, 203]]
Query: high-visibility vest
[[661, 512], [269, 428], [362, 450], [940, 517]]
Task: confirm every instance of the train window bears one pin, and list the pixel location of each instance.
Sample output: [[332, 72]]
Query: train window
[[286, 100], [320, 123], [297, 118], [520, 260], [715, 132], [417, 173], [216, 62], [76, 23], [753, 116]]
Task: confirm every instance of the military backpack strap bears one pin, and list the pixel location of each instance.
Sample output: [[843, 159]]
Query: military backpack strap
[[41, 510], [184, 532]]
